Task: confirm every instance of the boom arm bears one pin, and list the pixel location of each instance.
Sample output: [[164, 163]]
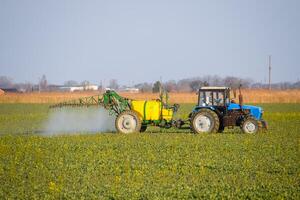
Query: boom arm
[[110, 100]]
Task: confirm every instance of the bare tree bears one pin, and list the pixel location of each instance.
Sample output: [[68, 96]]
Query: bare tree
[[232, 82], [85, 83], [184, 85], [170, 86], [24, 87], [195, 85], [246, 83], [156, 87], [43, 83], [144, 87], [113, 84], [216, 81], [6, 82], [71, 83]]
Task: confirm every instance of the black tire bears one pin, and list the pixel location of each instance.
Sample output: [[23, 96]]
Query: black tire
[[251, 125], [128, 122], [208, 116], [143, 128]]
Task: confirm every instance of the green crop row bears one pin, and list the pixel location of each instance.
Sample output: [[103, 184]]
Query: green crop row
[[169, 165]]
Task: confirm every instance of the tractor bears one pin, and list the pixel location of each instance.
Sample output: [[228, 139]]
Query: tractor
[[215, 111]]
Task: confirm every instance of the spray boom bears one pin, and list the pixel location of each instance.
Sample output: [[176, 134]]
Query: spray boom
[[110, 100]]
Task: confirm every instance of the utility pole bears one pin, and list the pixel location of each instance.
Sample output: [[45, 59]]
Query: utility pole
[[270, 71]]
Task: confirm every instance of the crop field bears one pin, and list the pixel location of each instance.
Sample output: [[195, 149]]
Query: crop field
[[157, 164]]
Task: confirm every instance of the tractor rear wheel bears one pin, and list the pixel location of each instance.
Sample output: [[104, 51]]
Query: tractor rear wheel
[[128, 122], [251, 125], [205, 121]]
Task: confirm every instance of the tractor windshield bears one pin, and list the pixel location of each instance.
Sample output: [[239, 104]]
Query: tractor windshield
[[212, 98]]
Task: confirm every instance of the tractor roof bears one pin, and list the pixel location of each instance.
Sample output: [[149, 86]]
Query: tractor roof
[[214, 88]]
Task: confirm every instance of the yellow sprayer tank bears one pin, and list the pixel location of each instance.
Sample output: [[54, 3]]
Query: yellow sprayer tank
[[151, 110]]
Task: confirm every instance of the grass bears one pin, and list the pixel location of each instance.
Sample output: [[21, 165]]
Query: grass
[[169, 165]]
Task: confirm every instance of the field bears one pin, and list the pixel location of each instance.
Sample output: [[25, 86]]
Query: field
[[250, 95], [158, 164]]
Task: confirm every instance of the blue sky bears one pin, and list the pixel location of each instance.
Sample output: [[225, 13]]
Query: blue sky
[[137, 41]]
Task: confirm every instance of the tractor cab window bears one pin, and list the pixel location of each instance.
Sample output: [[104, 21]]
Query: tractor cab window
[[218, 98], [212, 98], [204, 98]]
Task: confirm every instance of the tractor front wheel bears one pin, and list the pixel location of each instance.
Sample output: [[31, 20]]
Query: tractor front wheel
[[205, 121], [128, 122], [251, 125]]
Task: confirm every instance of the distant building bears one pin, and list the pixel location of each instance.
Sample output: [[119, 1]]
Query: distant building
[[78, 88], [75, 88], [63, 88], [91, 87], [132, 90]]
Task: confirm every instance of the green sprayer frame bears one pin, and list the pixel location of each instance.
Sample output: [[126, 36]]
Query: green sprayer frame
[[110, 100]]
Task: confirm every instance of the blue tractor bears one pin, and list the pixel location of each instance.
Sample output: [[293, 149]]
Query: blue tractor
[[215, 111]]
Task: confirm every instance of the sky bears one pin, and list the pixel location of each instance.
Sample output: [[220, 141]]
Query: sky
[[143, 41]]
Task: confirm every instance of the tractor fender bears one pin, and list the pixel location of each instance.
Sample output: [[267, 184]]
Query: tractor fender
[[197, 109]]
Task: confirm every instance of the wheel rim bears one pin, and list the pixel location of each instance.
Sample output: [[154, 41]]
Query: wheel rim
[[250, 127], [203, 123], [127, 123]]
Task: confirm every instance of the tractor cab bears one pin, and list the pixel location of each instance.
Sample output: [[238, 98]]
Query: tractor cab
[[215, 111], [213, 96]]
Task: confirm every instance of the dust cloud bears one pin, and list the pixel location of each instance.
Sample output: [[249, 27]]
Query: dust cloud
[[79, 120]]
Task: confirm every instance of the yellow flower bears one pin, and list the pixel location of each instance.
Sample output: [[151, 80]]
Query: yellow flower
[[52, 186], [117, 179]]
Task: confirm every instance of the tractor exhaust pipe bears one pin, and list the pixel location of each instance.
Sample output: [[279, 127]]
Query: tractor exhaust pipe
[[240, 97]]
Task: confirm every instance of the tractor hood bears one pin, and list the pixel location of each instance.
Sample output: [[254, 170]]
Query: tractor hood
[[254, 110]]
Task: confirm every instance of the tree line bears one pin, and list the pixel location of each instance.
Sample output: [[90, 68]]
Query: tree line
[[193, 84], [182, 85]]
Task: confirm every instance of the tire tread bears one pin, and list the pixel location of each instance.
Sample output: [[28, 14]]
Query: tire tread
[[208, 112], [129, 112]]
